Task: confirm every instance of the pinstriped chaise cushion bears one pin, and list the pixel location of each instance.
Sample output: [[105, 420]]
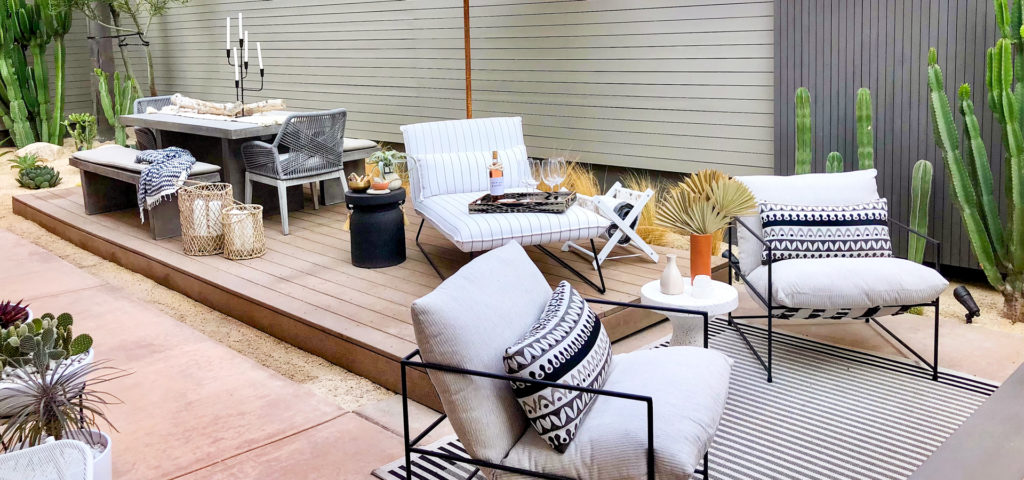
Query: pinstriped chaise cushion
[[847, 287], [478, 232], [689, 386], [568, 344]]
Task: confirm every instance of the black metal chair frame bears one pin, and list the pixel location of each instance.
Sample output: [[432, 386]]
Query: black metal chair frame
[[411, 442], [593, 248], [933, 366]]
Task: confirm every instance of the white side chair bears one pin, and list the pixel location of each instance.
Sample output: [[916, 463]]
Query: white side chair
[[448, 168], [60, 460], [655, 417], [829, 288], [622, 231]]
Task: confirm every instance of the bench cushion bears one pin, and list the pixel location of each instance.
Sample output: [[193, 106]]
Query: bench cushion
[[358, 144], [484, 231], [117, 156]]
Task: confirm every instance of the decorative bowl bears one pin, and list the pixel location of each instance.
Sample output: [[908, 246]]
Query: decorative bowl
[[359, 187], [381, 185]]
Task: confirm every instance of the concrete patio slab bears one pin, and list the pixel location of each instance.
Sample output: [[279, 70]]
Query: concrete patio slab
[[192, 403]]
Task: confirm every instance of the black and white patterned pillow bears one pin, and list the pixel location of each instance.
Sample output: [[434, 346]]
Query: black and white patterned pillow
[[568, 344], [800, 231]]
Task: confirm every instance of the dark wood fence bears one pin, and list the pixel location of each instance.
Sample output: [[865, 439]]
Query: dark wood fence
[[834, 47]]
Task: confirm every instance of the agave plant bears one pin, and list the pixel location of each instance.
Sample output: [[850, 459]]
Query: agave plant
[[11, 312], [24, 162], [59, 402], [705, 203]]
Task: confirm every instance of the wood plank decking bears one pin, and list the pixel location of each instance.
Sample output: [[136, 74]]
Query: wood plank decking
[[305, 290]]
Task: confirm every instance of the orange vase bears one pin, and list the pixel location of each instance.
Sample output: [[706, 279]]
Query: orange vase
[[700, 255]]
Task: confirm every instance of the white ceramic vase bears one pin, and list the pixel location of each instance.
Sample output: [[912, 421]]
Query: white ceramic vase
[[671, 280]]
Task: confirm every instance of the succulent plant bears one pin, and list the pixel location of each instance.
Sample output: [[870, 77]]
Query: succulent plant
[[82, 128], [16, 338], [11, 312], [38, 177], [25, 162], [834, 163]]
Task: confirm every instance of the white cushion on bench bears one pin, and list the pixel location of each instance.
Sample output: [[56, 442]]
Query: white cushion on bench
[[834, 283], [485, 231], [358, 144], [117, 156]]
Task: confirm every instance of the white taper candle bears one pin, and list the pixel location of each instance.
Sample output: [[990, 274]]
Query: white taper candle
[[227, 33], [259, 54], [234, 55], [245, 44], [239, 25]]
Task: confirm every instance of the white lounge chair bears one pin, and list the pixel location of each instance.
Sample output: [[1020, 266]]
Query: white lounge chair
[[448, 169], [832, 287]]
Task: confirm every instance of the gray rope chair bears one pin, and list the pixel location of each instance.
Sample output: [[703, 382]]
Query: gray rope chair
[[145, 138], [308, 149]]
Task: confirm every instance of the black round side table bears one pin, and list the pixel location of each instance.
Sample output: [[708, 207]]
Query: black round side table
[[377, 228]]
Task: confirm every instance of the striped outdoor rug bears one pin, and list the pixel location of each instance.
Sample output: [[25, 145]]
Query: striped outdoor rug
[[831, 413]]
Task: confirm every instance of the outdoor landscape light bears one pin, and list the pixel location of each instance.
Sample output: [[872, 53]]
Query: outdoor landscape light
[[963, 296]]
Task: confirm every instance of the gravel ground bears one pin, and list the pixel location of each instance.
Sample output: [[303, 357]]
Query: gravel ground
[[348, 390]]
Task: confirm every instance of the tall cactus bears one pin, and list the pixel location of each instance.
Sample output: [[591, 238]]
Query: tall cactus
[[119, 104], [804, 131], [920, 206], [834, 163], [999, 250], [865, 134]]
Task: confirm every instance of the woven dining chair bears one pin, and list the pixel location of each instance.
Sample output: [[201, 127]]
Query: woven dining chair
[[145, 138], [308, 149]]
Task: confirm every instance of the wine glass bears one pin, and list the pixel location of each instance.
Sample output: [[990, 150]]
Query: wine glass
[[554, 171], [535, 174]]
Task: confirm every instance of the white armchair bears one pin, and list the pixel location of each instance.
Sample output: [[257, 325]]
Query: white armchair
[[829, 287], [448, 169]]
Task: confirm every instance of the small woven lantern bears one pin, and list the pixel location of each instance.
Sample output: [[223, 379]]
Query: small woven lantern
[[243, 232], [200, 206]]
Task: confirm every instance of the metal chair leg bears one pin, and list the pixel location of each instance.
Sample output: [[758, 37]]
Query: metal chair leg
[[935, 353], [282, 200], [425, 255]]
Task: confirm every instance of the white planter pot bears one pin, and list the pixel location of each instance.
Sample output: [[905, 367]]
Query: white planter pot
[[81, 360], [102, 468]]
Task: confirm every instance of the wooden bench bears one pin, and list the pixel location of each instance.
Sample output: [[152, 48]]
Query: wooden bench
[[110, 182]]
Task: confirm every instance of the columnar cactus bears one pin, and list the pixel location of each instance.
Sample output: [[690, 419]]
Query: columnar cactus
[[834, 163], [999, 250], [865, 134], [804, 131], [920, 205], [120, 104]]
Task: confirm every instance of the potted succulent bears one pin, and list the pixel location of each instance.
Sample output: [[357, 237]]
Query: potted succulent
[[702, 204], [385, 160], [20, 340], [59, 401], [11, 312]]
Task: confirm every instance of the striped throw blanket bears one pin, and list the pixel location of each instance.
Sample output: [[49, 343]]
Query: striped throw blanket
[[166, 171]]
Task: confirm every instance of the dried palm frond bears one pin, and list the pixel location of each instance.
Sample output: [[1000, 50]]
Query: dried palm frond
[[704, 204], [700, 183], [732, 198]]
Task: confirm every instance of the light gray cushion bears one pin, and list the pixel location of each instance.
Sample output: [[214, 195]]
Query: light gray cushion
[[814, 189], [357, 144], [467, 322], [117, 156], [689, 386], [834, 283]]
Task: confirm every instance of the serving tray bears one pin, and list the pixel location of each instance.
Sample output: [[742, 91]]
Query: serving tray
[[524, 202]]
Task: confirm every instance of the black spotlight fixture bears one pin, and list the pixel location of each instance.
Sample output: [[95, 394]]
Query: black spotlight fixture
[[962, 295]]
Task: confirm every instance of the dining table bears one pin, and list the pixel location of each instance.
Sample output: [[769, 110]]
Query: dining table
[[219, 142]]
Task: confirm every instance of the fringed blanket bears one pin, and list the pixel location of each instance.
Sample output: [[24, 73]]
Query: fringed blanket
[[168, 168]]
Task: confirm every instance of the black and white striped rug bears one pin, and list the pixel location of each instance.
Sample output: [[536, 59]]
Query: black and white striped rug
[[830, 413]]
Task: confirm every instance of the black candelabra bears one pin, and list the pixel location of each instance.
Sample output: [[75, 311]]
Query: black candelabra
[[242, 72]]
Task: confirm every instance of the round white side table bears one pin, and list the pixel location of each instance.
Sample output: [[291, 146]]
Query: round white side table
[[689, 329]]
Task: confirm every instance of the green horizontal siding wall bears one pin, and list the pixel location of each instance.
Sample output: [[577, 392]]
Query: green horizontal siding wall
[[673, 85]]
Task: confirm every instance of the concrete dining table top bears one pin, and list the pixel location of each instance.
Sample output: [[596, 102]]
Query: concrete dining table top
[[228, 129]]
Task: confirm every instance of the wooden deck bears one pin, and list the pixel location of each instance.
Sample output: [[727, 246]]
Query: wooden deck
[[305, 290]]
